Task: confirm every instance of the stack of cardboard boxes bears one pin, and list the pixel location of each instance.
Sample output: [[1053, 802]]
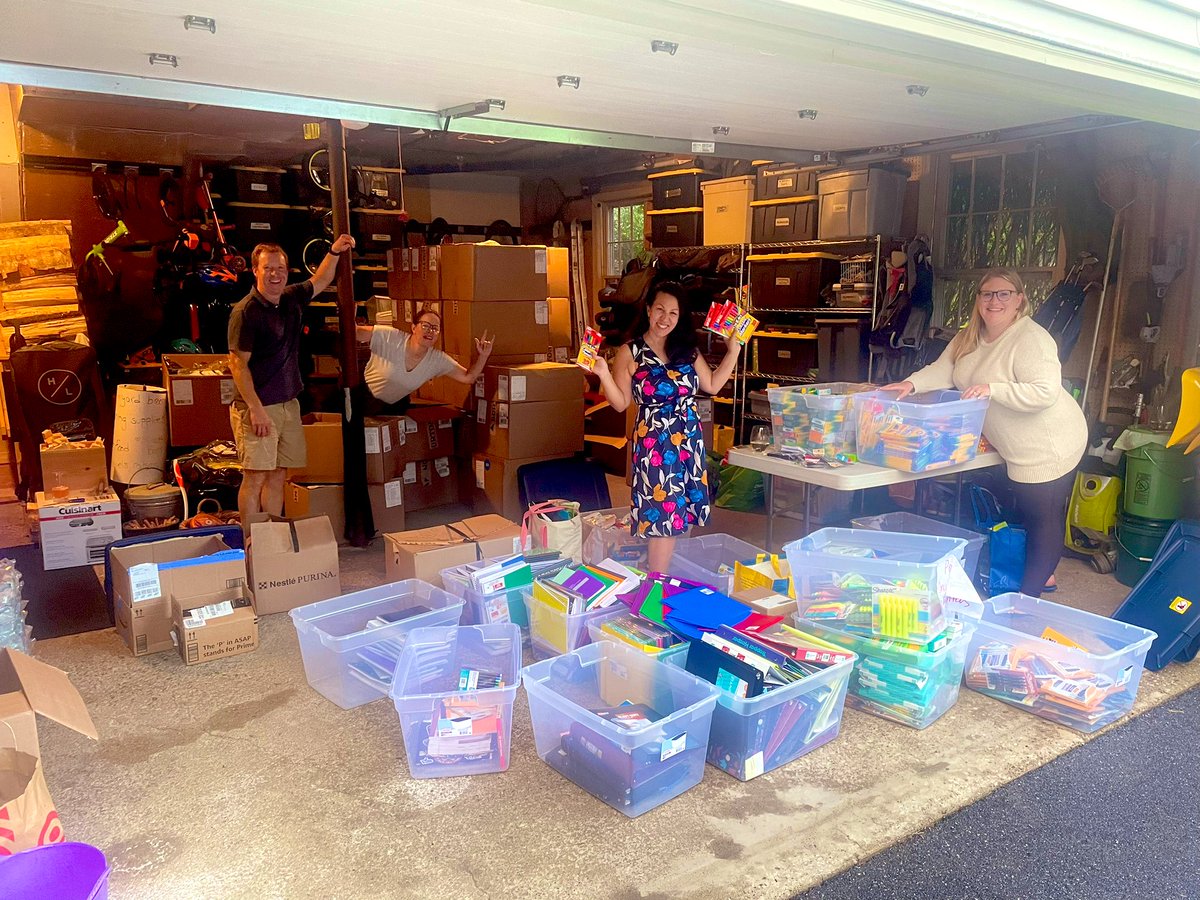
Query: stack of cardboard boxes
[[317, 489], [427, 465]]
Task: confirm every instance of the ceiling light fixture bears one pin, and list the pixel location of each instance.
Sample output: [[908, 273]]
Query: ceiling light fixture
[[164, 59], [722, 130], [807, 113], [917, 90], [569, 81], [668, 47], [477, 108], [204, 22]]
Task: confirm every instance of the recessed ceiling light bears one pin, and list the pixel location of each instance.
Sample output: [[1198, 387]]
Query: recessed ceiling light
[[664, 47], [202, 22], [569, 81], [164, 59], [721, 130], [917, 90], [807, 113]]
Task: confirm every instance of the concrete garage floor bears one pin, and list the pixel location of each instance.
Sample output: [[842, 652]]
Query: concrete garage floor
[[235, 779]]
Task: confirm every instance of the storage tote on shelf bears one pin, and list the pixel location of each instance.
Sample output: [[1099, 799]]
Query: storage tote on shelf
[[815, 417], [1072, 667], [791, 280], [878, 584], [754, 735], [910, 523], [676, 188], [350, 644], [676, 227], [621, 725], [727, 209], [710, 558], [922, 432], [454, 690]]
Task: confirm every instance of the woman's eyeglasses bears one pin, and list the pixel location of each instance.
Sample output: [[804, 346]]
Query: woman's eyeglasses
[[1002, 296], [430, 329]]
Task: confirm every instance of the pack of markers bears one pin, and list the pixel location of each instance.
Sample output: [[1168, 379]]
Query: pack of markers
[[730, 321]]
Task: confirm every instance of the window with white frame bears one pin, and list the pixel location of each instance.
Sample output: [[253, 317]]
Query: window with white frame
[[1001, 211], [623, 235]]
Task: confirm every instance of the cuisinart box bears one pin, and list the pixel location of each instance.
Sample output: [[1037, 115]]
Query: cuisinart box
[[75, 531]]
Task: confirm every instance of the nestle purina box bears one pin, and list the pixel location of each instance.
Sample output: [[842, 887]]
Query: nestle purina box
[[74, 532], [293, 562]]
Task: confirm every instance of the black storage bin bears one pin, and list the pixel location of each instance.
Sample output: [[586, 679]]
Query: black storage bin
[[250, 184], [791, 354], [777, 180], [266, 223], [676, 227], [375, 230], [842, 352], [377, 188], [299, 188], [678, 188], [784, 221], [791, 280]]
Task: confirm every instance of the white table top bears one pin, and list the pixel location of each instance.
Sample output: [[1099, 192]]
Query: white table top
[[852, 477]]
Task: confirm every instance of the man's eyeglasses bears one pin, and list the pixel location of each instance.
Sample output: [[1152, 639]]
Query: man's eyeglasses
[[430, 329], [1002, 296]]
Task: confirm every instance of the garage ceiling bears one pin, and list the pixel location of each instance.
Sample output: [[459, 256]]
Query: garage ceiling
[[745, 65]]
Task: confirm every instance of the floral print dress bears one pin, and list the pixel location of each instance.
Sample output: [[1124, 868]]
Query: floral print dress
[[670, 479]]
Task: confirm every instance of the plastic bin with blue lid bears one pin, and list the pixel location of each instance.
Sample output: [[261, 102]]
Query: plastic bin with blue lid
[[709, 559], [815, 417], [454, 690], [350, 644], [1072, 667], [910, 523], [754, 735], [883, 584], [921, 432], [626, 728]]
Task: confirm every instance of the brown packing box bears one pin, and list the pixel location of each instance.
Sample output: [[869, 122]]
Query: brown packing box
[[494, 535], [399, 280], [531, 383], [203, 633], [323, 437], [429, 482], [293, 562], [493, 272], [561, 334], [558, 272], [521, 430], [142, 591], [520, 326], [197, 405], [387, 505], [381, 436], [425, 552], [302, 501], [425, 264], [766, 601], [80, 469], [496, 488], [426, 432]]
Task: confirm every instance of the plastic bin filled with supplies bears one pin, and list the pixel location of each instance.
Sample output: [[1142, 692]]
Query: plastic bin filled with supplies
[[709, 559], [628, 729], [881, 584], [907, 683], [606, 535], [454, 690], [815, 417], [754, 735], [487, 609], [350, 644], [624, 627], [1066, 665], [911, 523], [919, 433], [554, 630]]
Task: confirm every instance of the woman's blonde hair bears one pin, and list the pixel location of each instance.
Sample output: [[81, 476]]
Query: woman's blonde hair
[[968, 339]]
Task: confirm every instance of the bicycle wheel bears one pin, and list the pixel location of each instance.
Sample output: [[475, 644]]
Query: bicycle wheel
[[316, 171], [104, 194], [314, 252]]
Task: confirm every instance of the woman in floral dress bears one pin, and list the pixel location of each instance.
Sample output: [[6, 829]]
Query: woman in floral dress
[[662, 371]]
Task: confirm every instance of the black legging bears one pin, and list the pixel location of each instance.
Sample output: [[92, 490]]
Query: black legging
[[1042, 508]]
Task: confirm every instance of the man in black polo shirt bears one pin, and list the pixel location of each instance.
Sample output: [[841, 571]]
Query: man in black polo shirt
[[264, 350]]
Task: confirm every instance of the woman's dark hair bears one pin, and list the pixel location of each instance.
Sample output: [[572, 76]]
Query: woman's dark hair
[[681, 341], [427, 311]]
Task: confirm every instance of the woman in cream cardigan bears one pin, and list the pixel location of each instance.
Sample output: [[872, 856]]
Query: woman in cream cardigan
[[1034, 424]]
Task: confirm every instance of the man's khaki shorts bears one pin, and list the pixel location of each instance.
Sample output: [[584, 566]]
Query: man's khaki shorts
[[283, 448]]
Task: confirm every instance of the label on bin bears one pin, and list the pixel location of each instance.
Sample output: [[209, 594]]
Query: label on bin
[[753, 766], [673, 746], [143, 581]]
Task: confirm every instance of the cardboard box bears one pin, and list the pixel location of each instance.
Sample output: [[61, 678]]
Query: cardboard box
[[558, 272], [293, 562], [215, 625], [198, 405], [387, 505], [75, 532], [425, 552], [562, 335], [381, 437], [496, 489], [399, 278], [323, 437], [425, 270], [485, 272], [429, 482], [531, 383], [766, 601], [426, 432], [83, 469], [144, 580], [522, 430], [303, 501], [29, 688], [521, 327]]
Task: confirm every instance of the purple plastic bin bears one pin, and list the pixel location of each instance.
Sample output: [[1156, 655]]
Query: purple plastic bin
[[71, 871]]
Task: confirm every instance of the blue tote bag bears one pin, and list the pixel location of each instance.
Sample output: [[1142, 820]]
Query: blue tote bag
[[1006, 543]]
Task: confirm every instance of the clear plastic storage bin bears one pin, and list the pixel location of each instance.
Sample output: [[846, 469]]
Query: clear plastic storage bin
[[600, 629], [910, 523], [882, 583], [709, 559], [604, 537], [754, 735], [350, 644], [899, 681], [553, 631], [626, 728], [1066, 665], [921, 432], [454, 690], [487, 609], [815, 417]]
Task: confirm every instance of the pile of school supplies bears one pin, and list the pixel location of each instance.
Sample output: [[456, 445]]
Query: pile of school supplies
[[493, 589], [630, 628], [928, 431], [730, 321], [815, 418], [375, 663], [607, 534], [560, 606]]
